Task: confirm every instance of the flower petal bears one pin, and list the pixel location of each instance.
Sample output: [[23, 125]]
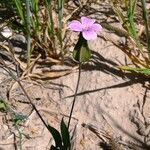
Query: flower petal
[[87, 21], [75, 25], [96, 27], [89, 35]]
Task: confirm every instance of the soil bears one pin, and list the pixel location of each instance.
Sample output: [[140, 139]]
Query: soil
[[111, 110]]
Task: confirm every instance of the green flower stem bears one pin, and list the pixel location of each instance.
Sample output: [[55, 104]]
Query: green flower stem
[[75, 95]]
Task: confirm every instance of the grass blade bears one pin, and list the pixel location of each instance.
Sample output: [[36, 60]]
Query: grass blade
[[146, 21], [145, 71], [35, 20], [60, 12], [131, 25], [35, 6], [60, 18], [48, 4], [20, 9]]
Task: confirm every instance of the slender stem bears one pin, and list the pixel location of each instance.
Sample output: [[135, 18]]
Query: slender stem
[[28, 25], [75, 95]]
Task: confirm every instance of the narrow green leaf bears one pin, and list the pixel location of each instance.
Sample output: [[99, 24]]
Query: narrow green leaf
[[20, 9], [35, 6], [48, 4], [130, 23], [146, 23], [145, 71], [60, 12], [56, 135], [65, 135], [134, 2], [35, 19]]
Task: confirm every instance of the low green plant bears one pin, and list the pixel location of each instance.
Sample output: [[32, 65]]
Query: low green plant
[[42, 24], [62, 138]]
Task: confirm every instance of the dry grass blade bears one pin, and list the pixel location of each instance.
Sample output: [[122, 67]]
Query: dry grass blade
[[16, 60], [51, 74], [30, 67], [136, 60]]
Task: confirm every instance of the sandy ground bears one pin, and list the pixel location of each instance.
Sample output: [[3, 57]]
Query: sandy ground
[[111, 110]]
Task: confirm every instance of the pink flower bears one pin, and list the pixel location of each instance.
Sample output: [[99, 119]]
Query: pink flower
[[87, 26]]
